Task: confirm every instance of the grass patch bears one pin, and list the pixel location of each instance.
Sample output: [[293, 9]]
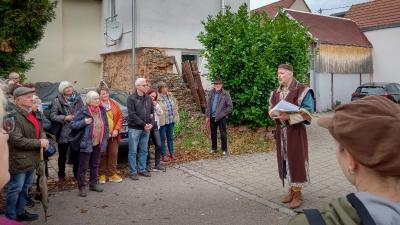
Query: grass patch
[[192, 144]]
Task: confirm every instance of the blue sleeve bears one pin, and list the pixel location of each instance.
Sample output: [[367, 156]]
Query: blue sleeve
[[308, 102], [79, 121]]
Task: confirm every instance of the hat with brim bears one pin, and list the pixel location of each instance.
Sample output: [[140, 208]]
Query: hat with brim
[[368, 129], [22, 91]]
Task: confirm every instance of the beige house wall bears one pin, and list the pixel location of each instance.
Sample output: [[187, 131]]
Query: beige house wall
[[300, 5], [70, 49]]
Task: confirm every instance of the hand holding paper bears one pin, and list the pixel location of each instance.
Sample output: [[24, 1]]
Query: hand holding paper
[[285, 106]]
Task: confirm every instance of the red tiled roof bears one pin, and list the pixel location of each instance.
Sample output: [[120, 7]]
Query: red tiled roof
[[331, 30], [375, 13], [272, 8]]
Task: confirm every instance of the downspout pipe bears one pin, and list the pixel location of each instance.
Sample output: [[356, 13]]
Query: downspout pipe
[[223, 6]]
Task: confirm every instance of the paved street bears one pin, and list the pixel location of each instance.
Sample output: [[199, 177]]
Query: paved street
[[234, 190]]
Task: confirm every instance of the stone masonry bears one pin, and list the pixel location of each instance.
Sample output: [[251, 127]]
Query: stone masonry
[[152, 64]]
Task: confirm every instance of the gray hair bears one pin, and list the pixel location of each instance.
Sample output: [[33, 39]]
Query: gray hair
[[13, 74], [140, 81], [90, 96], [63, 85]]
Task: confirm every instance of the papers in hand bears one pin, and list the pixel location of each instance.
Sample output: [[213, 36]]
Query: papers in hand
[[284, 106]]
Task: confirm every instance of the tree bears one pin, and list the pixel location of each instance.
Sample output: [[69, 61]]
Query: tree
[[21, 29], [245, 49]]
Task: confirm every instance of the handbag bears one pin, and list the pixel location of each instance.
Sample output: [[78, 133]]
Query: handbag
[[75, 137]]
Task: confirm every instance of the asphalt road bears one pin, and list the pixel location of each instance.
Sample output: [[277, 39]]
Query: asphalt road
[[173, 197]]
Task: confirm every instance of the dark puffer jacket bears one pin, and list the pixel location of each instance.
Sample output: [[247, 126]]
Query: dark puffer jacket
[[59, 110], [86, 140], [23, 144]]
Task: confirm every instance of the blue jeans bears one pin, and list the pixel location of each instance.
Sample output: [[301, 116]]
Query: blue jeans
[[167, 133], [17, 194], [138, 139]]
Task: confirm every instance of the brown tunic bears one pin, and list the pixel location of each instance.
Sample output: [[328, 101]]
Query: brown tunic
[[291, 140]]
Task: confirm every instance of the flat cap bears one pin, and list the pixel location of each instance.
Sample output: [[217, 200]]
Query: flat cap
[[22, 91], [286, 66]]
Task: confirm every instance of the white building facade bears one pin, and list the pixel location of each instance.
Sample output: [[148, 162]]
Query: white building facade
[[171, 25]]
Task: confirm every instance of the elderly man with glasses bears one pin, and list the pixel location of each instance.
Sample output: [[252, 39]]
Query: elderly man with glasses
[[24, 144], [140, 114]]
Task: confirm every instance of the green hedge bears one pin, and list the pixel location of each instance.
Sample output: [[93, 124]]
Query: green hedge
[[245, 49]]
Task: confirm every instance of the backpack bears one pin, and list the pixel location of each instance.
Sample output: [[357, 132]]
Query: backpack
[[314, 216]]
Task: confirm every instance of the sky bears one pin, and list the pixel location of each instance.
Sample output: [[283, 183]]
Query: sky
[[315, 5]]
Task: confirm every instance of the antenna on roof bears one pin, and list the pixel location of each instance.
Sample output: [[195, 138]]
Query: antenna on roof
[[320, 10]]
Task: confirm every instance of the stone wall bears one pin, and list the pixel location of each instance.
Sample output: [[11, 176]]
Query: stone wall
[[152, 64]]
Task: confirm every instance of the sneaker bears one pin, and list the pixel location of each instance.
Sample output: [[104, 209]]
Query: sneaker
[[165, 158], [27, 217], [145, 174], [134, 177], [115, 178], [173, 158], [212, 151], [158, 169], [83, 192], [96, 188], [224, 153], [30, 203], [102, 179]]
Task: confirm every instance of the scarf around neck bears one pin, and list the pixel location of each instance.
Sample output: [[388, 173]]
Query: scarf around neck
[[93, 109]]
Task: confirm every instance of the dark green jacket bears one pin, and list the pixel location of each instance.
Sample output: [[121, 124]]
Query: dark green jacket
[[23, 144], [337, 212]]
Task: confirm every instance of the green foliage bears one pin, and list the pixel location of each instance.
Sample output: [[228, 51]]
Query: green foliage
[[183, 123], [245, 50], [21, 29]]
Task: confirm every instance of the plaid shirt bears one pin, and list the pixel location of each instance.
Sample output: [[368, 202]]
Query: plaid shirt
[[170, 109]]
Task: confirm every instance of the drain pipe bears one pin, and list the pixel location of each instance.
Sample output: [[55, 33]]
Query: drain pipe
[[223, 6]]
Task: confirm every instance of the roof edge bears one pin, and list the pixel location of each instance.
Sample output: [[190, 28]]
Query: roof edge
[[334, 17], [380, 27]]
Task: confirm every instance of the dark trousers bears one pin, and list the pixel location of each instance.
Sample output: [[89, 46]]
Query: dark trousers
[[62, 159], [156, 140], [221, 124], [89, 160]]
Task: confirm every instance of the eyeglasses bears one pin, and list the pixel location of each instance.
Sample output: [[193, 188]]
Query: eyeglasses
[[8, 124]]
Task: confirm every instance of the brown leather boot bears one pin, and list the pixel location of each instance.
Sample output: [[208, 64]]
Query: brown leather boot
[[288, 198], [296, 201]]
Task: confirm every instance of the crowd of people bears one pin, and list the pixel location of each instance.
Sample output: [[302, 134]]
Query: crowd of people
[[86, 133]]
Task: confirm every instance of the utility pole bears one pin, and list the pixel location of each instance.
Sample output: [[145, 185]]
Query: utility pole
[[133, 44]]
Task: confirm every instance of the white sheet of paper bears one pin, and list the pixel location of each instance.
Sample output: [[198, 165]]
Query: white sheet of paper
[[285, 106]]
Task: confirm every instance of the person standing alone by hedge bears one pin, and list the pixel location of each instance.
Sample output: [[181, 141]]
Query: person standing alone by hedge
[[218, 108], [291, 134]]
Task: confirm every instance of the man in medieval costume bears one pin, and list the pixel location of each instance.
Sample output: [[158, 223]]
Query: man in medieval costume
[[291, 134]]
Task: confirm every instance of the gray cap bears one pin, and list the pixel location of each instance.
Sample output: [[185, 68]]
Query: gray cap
[[22, 91]]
